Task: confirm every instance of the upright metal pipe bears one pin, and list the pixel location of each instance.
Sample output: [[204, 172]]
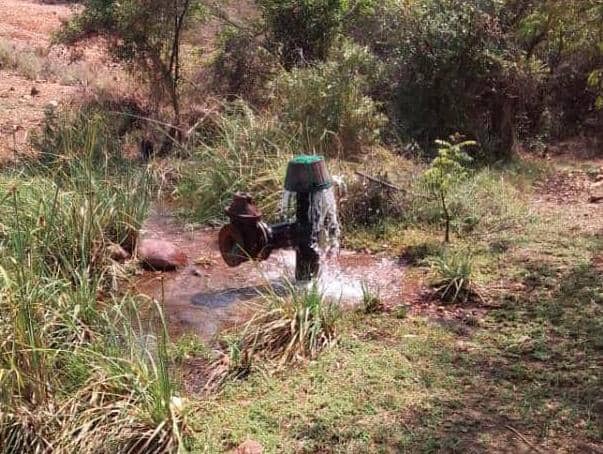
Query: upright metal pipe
[[307, 258]]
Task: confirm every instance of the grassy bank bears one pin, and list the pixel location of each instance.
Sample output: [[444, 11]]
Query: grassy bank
[[78, 372]]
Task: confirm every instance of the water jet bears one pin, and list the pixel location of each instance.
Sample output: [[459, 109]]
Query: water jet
[[312, 230]]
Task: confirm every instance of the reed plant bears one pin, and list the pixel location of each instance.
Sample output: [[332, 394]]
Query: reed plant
[[75, 373], [249, 153]]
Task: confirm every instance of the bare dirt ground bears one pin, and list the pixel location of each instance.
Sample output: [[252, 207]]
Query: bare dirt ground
[[53, 75], [27, 24], [30, 21]]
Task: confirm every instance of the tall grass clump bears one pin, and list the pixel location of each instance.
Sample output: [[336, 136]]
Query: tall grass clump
[[296, 325], [454, 277], [484, 203], [74, 374], [249, 153]]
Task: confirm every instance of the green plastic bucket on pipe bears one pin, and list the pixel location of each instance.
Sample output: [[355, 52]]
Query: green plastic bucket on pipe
[[307, 173]]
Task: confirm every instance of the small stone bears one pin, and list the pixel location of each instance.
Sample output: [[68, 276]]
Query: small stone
[[596, 192], [118, 253], [250, 447], [161, 255], [34, 91]]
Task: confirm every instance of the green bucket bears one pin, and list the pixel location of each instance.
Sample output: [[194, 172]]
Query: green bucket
[[307, 173]]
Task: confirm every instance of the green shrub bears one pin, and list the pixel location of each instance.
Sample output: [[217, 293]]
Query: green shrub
[[444, 174], [484, 67], [243, 68], [485, 203], [328, 103], [302, 30]]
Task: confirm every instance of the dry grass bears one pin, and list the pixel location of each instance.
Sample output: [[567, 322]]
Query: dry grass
[[292, 329]]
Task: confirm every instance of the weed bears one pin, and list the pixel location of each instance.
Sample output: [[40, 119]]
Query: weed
[[186, 347], [454, 272], [401, 312], [371, 301], [292, 328]]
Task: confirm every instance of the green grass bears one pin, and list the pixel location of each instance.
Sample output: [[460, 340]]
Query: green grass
[[528, 362], [347, 398], [70, 339], [413, 385], [249, 153]]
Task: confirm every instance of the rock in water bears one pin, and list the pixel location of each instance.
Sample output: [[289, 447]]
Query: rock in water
[[250, 447], [161, 255]]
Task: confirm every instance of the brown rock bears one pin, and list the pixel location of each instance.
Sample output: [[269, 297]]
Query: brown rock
[[161, 255], [250, 447], [34, 91], [596, 192]]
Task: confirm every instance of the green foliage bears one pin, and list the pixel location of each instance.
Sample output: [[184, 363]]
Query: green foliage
[[296, 326], [484, 67], [371, 301], [249, 153], [328, 105], [146, 36], [454, 275], [441, 57], [67, 342], [595, 81], [302, 30], [243, 67], [445, 171]]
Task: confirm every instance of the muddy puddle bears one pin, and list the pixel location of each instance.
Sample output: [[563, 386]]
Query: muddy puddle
[[207, 296]]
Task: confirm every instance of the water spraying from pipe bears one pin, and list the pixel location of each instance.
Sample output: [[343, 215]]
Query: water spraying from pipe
[[310, 226]]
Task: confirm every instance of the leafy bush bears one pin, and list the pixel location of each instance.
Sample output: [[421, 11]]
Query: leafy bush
[[486, 68], [146, 37], [445, 171], [302, 30], [486, 203], [243, 68], [329, 105]]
